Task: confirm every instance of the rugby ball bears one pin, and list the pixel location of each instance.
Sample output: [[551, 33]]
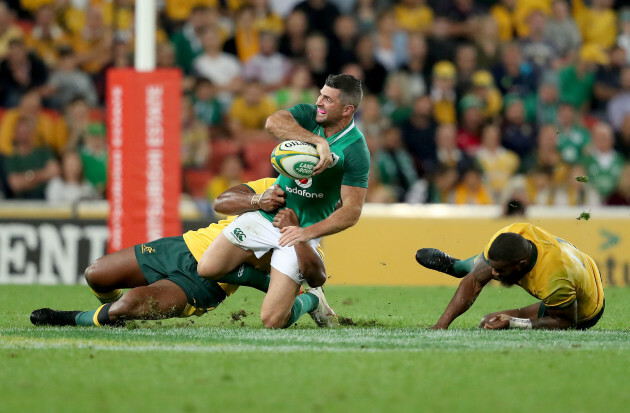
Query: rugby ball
[[294, 159]]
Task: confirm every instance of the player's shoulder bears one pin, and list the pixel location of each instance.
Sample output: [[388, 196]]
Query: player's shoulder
[[260, 185]]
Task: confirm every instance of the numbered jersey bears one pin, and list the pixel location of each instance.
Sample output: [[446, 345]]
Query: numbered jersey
[[314, 199], [562, 273]]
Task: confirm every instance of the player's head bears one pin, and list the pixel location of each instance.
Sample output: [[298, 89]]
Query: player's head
[[339, 98], [509, 256]]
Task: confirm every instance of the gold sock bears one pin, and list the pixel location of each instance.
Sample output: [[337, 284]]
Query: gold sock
[[108, 297]]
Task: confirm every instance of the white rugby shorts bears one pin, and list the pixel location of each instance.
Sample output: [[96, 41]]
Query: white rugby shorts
[[252, 231]]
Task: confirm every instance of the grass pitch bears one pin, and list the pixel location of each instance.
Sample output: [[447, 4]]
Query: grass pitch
[[383, 359]]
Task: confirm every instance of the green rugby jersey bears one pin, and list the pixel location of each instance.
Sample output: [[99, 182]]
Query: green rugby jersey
[[314, 199]]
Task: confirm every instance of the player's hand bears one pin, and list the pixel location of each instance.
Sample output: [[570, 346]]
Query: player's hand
[[286, 218], [325, 157], [498, 322], [292, 235], [272, 199]]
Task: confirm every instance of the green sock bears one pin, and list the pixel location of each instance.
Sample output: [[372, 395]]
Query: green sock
[[303, 304], [248, 276], [97, 317], [463, 267]]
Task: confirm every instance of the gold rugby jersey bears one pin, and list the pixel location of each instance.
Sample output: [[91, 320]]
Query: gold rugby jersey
[[562, 273]]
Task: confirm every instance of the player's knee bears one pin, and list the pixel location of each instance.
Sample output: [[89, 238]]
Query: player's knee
[[207, 270], [272, 319], [94, 276]]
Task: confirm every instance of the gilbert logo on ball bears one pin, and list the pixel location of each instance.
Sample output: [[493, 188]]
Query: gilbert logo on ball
[[295, 159]]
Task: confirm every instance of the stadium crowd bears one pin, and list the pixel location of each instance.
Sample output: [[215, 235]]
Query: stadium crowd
[[466, 101]]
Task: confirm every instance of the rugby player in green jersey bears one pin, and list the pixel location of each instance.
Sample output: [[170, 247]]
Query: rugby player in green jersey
[[162, 274], [340, 175]]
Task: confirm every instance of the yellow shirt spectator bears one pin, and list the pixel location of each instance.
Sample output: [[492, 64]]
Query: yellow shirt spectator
[[50, 130], [596, 25], [505, 21], [414, 18], [179, 10], [252, 115]]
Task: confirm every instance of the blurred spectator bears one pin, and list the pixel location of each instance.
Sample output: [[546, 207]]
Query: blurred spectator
[[608, 81], [622, 143], [561, 32], [503, 15], [518, 135], [535, 48], [230, 174], [390, 42], [514, 75], [268, 67], [443, 92], [577, 80], [299, 90], [29, 168], [50, 130], [206, 104], [465, 66], [249, 112], [8, 29], [70, 185], [483, 87], [373, 71], [165, 56], [621, 195], [498, 164], [371, 120], [377, 191], [77, 118], [604, 164], [293, 41], [187, 42], [68, 82], [623, 40], [397, 99], [317, 58], [244, 43], [442, 187], [47, 36], [539, 186], [598, 23], [461, 14], [93, 44], [547, 102], [573, 192], [573, 138], [195, 141], [447, 151], [471, 189], [414, 16], [321, 15], [441, 45], [20, 72], [546, 155], [395, 165], [487, 43], [266, 20], [417, 66], [619, 106], [121, 57], [366, 13], [469, 131], [94, 157], [418, 134], [344, 43], [222, 69]]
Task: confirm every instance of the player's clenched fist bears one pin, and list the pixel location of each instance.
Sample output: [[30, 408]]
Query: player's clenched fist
[[272, 199]]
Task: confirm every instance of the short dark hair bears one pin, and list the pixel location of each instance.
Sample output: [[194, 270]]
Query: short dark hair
[[508, 247], [350, 87]]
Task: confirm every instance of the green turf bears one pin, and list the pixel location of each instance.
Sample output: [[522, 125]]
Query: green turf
[[383, 359]]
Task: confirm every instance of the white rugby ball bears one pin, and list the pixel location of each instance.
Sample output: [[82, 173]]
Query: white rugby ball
[[295, 159]]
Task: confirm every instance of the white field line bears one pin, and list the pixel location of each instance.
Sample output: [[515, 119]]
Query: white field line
[[212, 340]]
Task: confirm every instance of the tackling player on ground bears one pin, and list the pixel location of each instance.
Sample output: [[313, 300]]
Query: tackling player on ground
[[341, 174], [163, 277], [549, 268]]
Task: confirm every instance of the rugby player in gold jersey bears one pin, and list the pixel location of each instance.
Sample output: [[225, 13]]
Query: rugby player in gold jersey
[[564, 279]]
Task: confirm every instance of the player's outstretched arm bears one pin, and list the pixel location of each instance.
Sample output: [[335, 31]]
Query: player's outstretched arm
[[310, 263], [282, 125], [347, 215], [466, 294], [240, 199], [554, 319]]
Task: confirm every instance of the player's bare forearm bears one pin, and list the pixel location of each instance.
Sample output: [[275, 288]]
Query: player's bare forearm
[[467, 292], [558, 319], [282, 125], [240, 199]]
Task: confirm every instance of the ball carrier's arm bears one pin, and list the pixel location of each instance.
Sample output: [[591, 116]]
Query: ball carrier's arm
[[282, 125]]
